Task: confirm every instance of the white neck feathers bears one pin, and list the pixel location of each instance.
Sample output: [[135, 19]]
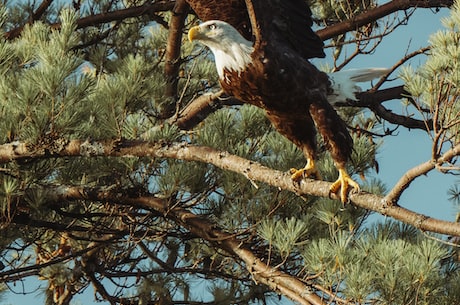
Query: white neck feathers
[[232, 55]]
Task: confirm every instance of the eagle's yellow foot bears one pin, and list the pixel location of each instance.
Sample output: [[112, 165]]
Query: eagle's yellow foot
[[343, 184], [309, 170]]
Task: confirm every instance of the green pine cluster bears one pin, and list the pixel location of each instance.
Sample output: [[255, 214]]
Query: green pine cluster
[[107, 83], [434, 88]]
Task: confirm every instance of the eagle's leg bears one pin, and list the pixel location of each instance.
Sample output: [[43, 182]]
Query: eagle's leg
[[343, 184], [309, 170]]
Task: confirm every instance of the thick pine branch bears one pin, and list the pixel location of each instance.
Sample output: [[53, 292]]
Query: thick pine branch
[[250, 169]]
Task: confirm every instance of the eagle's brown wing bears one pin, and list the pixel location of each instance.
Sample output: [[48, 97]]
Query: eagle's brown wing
[[233, 12], [287, 22]]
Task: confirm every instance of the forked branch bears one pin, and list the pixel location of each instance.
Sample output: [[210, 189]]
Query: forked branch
[[422, 169], [202, 227]]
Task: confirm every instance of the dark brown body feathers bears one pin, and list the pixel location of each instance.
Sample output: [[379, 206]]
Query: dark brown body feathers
[[281, 80]]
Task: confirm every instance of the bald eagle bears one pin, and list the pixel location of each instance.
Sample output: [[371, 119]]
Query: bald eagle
[[261, 50]]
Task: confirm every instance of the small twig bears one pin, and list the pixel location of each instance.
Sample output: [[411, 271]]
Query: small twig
[[441, 240], [393, 196]]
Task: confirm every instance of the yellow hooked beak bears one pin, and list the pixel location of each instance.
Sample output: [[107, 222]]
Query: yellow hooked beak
[[194, 33]]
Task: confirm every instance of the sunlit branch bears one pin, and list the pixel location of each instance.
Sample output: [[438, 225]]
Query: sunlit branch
[[250, 169]]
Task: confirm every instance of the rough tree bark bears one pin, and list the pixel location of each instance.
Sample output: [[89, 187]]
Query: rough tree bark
[[200, 226], [172, 56], [387, 206]]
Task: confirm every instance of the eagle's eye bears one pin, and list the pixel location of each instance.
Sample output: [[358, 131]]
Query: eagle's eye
[[212, 26]]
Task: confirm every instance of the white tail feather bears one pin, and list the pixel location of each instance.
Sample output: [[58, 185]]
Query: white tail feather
[[344, 82]]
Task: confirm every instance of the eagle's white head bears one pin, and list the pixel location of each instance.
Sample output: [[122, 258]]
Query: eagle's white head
[[231, 50]]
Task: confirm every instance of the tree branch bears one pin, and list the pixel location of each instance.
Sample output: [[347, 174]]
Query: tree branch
[[172, 56], [41, 10], [6, 275], [377, 13], [34, 17], [202, 227], [422, 169], [201, 107], [373, 100], [93, 20], [250, 169], [326, 33]]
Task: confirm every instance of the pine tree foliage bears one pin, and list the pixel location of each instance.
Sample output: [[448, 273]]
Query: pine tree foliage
[[339, 10], [106, 82], [435, 87]]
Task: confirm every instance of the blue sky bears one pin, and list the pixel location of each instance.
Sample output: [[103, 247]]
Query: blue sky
[[427, 195]]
